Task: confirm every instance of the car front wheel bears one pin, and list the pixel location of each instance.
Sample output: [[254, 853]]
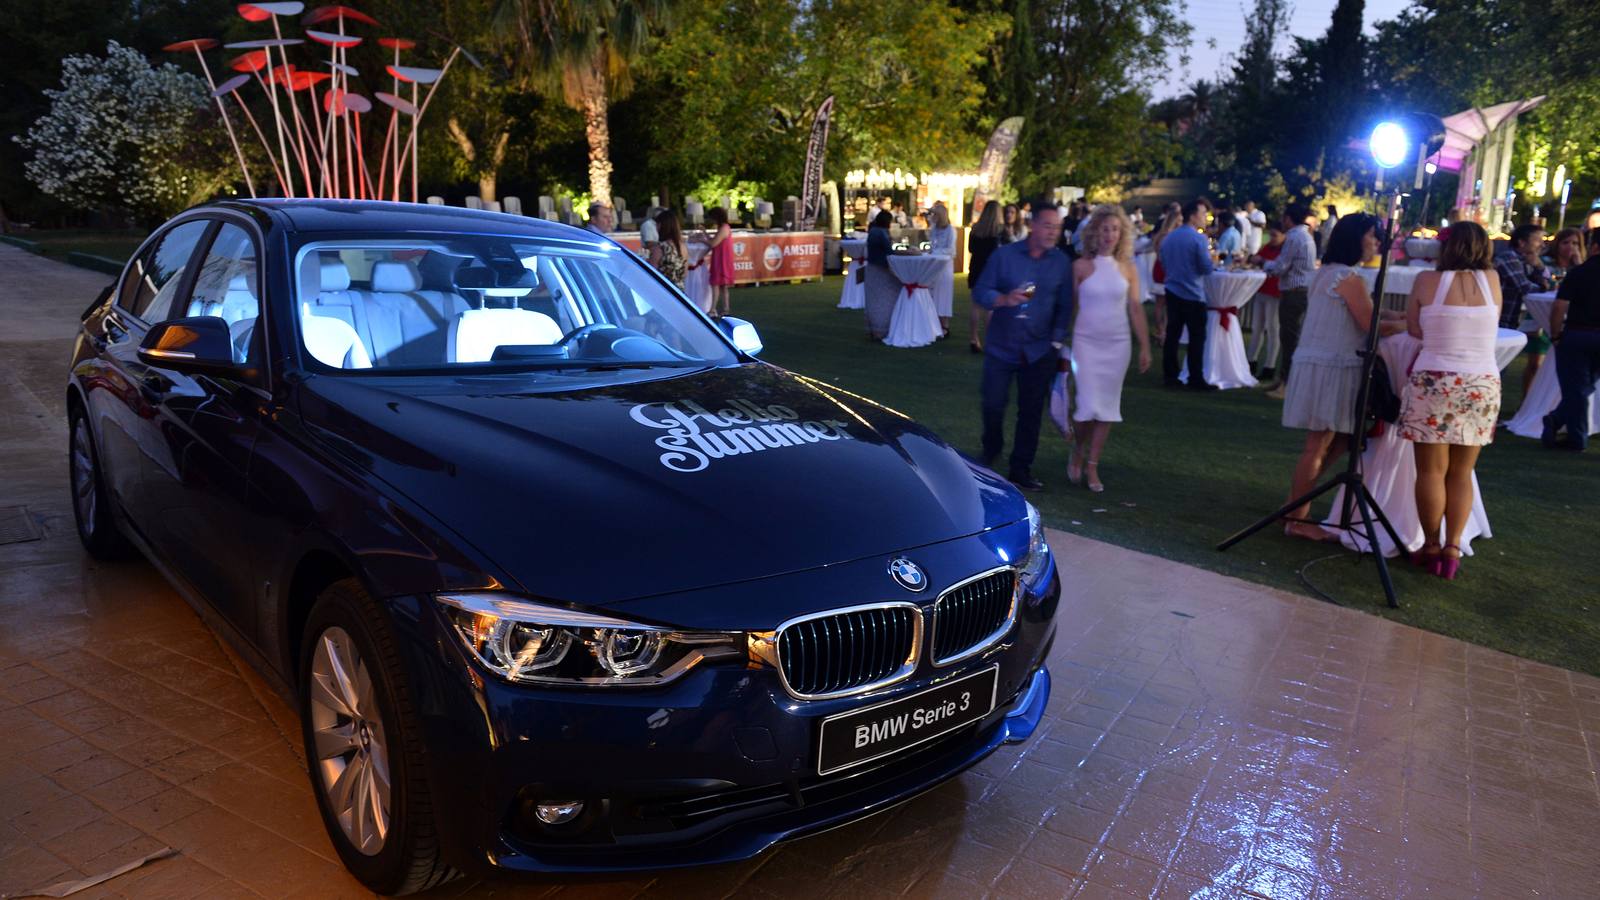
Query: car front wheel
[[91, 505], [361, 743]]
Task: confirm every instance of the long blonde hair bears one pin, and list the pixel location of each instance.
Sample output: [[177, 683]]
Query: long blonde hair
[[1123, 252], [1169, 224]]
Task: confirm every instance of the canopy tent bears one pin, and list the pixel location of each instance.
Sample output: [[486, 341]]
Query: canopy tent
[[1477, 144]]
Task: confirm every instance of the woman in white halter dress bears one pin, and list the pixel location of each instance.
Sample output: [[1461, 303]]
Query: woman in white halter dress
[[1107, 315]]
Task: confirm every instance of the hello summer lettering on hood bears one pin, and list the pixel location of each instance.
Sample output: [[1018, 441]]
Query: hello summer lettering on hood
[[695, 436]]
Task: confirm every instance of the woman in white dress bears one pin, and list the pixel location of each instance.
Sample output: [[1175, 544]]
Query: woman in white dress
[[1106, 296], [942, 242]]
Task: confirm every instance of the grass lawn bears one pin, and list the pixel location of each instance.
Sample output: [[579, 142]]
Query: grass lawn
[[57, 243], [1183, 471]]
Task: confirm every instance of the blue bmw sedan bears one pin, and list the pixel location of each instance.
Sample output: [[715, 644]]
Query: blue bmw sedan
[[559, 575]]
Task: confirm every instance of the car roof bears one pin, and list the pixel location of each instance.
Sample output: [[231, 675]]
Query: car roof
[[366, 216]]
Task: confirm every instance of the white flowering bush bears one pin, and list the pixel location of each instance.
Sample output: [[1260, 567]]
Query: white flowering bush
[[123, 133]]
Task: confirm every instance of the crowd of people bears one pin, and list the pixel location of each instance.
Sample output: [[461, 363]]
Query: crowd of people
[[1049, 281]]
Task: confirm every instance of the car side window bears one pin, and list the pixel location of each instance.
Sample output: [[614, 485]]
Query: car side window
[[156, 275], [226, 287]]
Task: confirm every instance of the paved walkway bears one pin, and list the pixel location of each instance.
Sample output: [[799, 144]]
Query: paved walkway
[[1207, 737]]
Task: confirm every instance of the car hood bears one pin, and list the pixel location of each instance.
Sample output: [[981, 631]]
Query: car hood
[[617, 492]]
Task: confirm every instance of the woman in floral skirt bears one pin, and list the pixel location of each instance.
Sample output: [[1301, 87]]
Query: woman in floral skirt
[[1453, 397]]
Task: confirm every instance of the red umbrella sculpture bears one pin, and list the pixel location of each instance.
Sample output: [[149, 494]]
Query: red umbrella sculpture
[[322, 153]]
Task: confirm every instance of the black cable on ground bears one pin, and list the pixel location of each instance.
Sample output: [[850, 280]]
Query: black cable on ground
[[1301, 572]]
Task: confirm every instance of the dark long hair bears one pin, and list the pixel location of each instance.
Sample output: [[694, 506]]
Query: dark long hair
[[717, 215], [667, 229], [1466, 248], [883, 219], [1344, 245]]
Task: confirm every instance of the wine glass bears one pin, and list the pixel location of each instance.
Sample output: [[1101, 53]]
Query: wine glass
[[1028, 289]]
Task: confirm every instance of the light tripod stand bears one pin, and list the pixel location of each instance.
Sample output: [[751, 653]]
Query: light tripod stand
[[1357, 499]]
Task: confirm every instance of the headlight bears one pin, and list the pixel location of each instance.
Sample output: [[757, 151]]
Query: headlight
[[1038, 558], [532, 643]]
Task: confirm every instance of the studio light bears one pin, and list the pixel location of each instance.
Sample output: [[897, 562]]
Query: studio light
[[1389, 144]]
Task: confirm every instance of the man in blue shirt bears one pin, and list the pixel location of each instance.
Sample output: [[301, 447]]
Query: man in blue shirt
[[1186, 257], [1027, 330]]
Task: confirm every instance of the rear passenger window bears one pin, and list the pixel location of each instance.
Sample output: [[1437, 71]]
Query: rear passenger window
[[155, 276], [225, 287]]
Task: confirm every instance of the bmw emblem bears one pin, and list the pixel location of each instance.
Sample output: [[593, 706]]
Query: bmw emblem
[[908, 575]]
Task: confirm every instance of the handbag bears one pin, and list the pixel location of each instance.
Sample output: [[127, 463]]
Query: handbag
[[1382, 402]]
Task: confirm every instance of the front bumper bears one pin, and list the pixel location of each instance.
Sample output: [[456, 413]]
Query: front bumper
[[715, 767]]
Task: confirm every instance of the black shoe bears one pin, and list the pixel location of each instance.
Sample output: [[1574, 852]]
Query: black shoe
[[1026, 481], [1171, 383], [1548, 436], [1203, 386], [974, 348]]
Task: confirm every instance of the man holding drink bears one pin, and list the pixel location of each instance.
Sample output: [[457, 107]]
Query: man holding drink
[[1028, 285]]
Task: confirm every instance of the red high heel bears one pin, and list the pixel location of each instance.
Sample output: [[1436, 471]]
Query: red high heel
[[1426, 558], [1447, 566]]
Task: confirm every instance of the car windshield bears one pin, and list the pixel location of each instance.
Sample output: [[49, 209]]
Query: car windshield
[[481, 302]]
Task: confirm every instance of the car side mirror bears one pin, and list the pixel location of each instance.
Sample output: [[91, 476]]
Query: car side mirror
[[742, 333], [196, 344]]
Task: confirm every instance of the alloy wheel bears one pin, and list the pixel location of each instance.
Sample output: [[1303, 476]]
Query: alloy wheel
[[351, 747], [84, 495]]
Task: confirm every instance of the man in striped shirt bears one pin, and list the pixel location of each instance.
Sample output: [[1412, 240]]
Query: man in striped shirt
[[1294, 268]]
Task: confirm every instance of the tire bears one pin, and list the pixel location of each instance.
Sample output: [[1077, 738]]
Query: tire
[[98, 530], [403, 856]]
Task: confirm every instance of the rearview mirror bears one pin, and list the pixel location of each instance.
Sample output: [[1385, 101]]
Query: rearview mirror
[[742, 333], [195, 344]]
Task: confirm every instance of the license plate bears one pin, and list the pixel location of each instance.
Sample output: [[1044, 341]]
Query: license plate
[[863, 735]]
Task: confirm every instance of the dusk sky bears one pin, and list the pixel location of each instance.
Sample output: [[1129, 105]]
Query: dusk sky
[[1222, 21]]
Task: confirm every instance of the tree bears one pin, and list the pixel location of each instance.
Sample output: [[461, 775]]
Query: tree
[[1086, 120], [119, 130], [587, 49], [744, 79]]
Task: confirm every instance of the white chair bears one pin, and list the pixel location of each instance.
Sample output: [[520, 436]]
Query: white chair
[[474, 202], [477, 333], [513, 205], [435, 200], [491, 205]]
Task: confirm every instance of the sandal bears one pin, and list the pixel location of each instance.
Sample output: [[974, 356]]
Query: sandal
[[1447, 566], [1092, 470], [1425, 558]]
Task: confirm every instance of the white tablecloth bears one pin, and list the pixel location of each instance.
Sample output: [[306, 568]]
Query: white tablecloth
[[1227, 293], [1544, 395], [854, 295], [1146, 263], [697, 280], [1390, 470], [1396, 284], [914, 322]]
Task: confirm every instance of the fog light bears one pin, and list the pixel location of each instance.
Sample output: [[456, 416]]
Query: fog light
[[558, 813]]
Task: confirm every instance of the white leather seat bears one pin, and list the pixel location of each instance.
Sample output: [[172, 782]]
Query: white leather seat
[[477, 333], [237, 304], [406, 324], [332, 342]]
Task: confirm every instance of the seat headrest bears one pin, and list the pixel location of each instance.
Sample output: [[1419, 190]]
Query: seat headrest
[[239, 284], [395, 277], [333, 275]]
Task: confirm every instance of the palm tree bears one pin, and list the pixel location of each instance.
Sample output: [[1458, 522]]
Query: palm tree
[[586, 49]]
